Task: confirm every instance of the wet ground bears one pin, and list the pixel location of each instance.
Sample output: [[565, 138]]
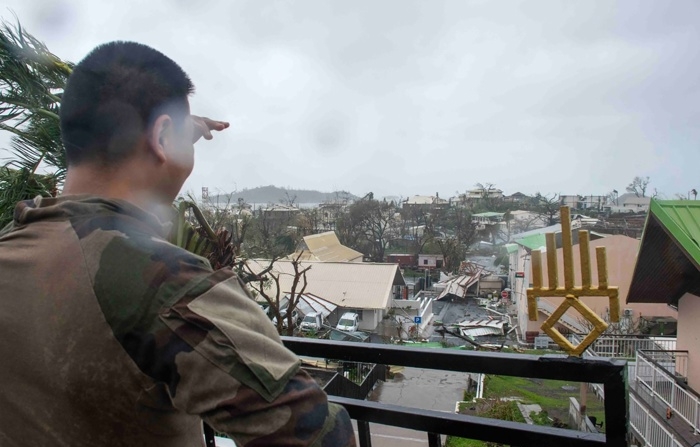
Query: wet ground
[[423, 388]]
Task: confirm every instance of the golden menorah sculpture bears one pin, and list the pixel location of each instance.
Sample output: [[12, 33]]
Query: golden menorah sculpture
[[569, 291]]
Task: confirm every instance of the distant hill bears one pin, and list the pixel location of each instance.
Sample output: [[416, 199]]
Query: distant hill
[[274, 194]]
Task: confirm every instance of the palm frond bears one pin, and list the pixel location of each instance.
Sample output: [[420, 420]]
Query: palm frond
[[17, 185], [31, 84]]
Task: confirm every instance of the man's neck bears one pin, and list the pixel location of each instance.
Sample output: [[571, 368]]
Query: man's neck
[[122, 184]]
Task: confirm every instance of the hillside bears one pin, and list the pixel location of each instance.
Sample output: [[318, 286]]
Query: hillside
[[274, 194]]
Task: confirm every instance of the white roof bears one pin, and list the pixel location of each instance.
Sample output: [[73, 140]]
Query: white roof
[[420, 200], [480, 331], [482, 326], [325, 247], [637, 200], [460, 284], [309, 303], [346, 284]]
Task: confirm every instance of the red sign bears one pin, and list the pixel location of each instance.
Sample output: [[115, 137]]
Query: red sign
[[519, 274], [504, 294]]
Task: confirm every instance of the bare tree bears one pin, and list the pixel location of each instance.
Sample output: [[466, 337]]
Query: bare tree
[[460, 234], [367, 226], [504, 232], [612, 197], [262, 283], [547, 208], [638, 186], [289, 200], [417, 226], [485, 190]]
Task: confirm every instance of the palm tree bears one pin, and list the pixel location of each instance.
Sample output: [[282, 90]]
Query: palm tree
[[31, 83]]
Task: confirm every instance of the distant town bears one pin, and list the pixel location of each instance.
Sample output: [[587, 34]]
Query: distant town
[[454, 271]]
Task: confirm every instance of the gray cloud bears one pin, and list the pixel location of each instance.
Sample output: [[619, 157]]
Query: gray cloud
[[408, 97]]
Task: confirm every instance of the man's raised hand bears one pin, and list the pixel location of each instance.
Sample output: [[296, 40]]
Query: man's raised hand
[[203, 127]]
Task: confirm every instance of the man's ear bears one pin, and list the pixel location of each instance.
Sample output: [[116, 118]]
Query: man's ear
[[160, 137]]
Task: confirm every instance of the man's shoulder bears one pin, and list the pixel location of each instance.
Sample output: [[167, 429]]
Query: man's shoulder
[[114, 236], [127, 260]]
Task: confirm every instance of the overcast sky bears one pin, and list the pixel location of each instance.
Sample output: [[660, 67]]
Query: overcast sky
[[417, 97]]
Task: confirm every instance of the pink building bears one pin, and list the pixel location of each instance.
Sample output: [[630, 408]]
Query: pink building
[[667, 272]]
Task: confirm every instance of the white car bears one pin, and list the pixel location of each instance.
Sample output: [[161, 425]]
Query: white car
[[313, 321], [349, 322], [295, 318]]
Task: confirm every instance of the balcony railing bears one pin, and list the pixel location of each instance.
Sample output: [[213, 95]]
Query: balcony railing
[[622, 346], [648, 429], [662, 374], [626, 346], [610, 372]]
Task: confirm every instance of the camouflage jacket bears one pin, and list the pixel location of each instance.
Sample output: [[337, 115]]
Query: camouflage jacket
[[111, 336]]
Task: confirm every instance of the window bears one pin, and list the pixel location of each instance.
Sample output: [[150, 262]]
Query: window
[[425, 262]]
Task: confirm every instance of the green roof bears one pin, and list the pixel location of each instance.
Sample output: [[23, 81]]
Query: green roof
[[533, 242], [682, 219], [511, 248], [668, 264]]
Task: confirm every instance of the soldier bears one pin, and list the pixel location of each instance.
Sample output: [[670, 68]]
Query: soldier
[[111, 336]]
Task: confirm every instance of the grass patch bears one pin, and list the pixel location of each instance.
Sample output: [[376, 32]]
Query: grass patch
[[548, 394], [453, 441], [504, 410]]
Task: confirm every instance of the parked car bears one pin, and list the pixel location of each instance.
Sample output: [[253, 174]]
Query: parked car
[[313, 321], [296, 318], [349, 322]]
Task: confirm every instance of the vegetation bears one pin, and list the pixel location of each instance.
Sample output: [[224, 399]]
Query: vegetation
[[31, 84], [505, 410], [548, 394], [638, 186]]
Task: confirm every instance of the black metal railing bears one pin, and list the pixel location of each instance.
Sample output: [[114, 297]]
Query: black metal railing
[[342, 386], [610, 372]]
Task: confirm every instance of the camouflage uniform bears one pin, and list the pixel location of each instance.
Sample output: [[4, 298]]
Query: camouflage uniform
[[110, 336]]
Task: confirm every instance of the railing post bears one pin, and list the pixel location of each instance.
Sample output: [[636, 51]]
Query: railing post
[[647, 427], [673, 387], [364, 434], [434, 440]]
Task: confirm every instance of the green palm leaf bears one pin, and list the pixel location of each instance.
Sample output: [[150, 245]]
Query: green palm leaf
[[31, 83]]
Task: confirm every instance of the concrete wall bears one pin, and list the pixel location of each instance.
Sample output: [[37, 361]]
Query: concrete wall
[[370, 319], [689, 335], [432, 260], [520, 262]]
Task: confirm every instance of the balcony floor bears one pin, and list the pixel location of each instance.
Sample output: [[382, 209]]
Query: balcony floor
[[676, 424]]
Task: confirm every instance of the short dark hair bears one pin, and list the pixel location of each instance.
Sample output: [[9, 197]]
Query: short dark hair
[[114, 95]]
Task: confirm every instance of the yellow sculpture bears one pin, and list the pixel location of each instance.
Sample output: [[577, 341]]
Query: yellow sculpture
[[570, 292]]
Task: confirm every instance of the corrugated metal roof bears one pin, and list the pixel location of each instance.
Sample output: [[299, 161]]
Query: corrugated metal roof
[[538, 241], [346, 284], [533, 241], [511, 248], [668, 265], [460, 285], [309, 302], [327, 248], [682, 219], [480, 331]]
